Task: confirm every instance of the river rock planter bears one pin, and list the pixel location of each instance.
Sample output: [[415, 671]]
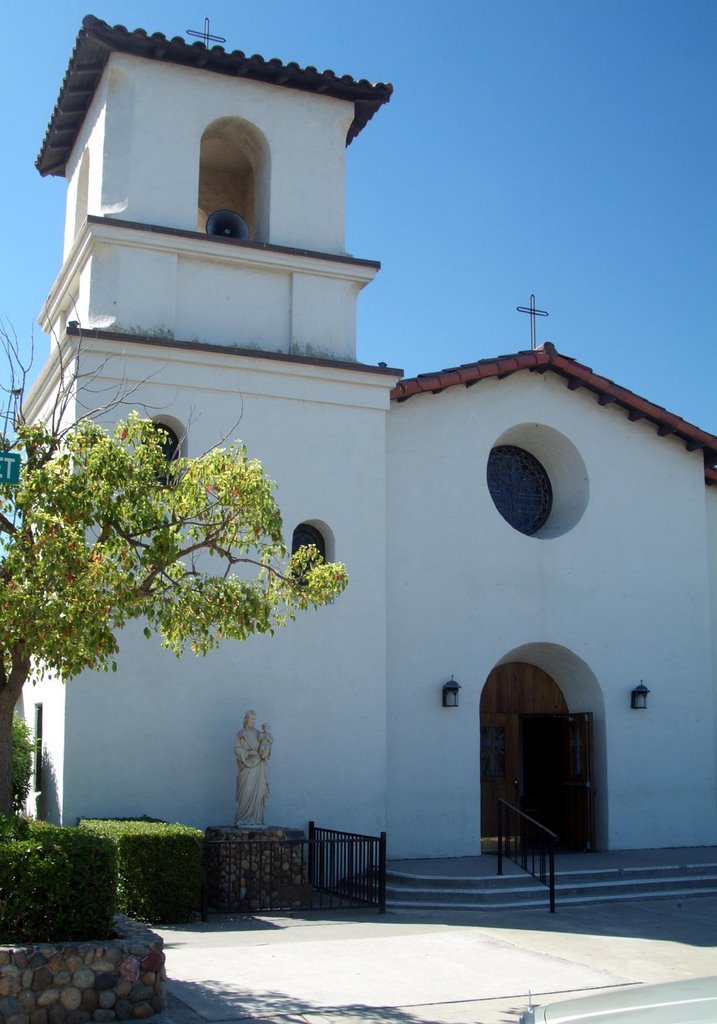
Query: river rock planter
[[122, 978]]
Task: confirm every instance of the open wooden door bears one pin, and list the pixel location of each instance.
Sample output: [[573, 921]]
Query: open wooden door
[[556, 772], [511, 692], [536, 755], [578, 788], [499, 766]]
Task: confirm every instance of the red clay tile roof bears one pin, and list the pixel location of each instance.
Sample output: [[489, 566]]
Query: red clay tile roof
[[97, 40], [576, 375]]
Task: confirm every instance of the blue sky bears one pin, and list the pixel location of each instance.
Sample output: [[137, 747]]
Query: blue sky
[[562, 147]]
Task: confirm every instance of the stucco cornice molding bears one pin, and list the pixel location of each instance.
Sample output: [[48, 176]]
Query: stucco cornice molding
[[199, 348], [251, 256], [215, 248], [350, 384]]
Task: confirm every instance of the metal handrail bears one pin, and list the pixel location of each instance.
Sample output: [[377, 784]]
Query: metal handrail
[[528, 844]]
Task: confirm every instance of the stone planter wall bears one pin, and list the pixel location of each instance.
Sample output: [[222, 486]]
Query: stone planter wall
[[73, 983]]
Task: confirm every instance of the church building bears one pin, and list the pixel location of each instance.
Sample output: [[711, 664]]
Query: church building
[[532, 549]]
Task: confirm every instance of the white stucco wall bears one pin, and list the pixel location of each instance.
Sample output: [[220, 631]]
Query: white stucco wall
[[144, 130], [137, 159], [624, 592], [50, 692], [362, 741], [161, 730], [614, 589], [136, 281], [711, 511]]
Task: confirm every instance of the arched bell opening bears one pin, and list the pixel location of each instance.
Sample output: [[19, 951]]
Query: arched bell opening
[[234, 174], [543, 745]]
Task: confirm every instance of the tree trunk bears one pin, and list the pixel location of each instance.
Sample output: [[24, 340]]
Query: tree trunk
[[10, 689], [6, 712]]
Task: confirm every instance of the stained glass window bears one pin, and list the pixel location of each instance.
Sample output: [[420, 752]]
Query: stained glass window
[[520, 488]]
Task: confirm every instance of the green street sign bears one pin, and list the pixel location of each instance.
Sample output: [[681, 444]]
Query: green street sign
[[9, 468]]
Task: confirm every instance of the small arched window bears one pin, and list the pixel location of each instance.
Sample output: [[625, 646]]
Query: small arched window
[[171, 448], [305, 534], [169, 441]]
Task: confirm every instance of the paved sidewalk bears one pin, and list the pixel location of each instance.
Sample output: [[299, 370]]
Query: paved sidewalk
[[428, 967]]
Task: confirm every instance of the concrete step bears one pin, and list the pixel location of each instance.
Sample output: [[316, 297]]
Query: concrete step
[[513, 874], [571, 887], [540, 901]]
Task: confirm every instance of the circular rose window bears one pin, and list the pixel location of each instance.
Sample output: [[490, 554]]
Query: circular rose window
[[520, 488]]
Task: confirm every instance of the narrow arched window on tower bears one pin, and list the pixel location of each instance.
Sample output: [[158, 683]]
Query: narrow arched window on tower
[[171, 448], [305, 534]]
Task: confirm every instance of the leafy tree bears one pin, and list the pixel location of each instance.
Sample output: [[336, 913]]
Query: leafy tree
[[101, 530], [22, 751]]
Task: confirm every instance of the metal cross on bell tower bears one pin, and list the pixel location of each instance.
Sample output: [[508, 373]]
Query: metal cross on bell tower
[[205, 36], [532, 313]]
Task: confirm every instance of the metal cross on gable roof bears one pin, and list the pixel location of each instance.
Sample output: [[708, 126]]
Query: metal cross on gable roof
[[205, 35], [532, 312]]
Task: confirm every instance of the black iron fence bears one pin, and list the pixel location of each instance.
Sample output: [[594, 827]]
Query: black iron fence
[[346, 865], [329, 870], [528, 844]]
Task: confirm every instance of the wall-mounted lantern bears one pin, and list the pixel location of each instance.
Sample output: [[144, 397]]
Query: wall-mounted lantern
[[450, 693], [638, 697]]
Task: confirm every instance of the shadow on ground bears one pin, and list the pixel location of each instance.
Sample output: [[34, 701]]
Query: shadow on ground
[[688, 920], [244, 1004]]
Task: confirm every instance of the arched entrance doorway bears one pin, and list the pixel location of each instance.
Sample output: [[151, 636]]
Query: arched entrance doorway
[[536, 755]]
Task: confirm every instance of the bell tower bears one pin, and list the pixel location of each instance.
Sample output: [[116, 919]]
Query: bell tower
[[154, 136]]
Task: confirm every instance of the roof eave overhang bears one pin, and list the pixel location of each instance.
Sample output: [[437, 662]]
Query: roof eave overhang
[[576, 376], [97, 41]]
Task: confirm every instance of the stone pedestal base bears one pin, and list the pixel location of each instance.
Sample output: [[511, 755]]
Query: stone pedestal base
[[235, 833], [256, 867]]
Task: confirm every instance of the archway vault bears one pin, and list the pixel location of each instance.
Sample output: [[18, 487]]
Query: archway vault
[[542, 708], [234, 173]]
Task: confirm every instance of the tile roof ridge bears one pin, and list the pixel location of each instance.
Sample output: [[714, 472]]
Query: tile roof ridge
[[97, 40], [577, 375]]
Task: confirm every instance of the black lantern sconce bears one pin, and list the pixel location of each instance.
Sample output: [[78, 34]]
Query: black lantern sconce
[[450, 693], [638, 697]]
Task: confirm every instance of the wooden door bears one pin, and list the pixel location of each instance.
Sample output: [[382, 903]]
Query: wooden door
[[499, 766], [578, 788], [511, 691], [536, 755]]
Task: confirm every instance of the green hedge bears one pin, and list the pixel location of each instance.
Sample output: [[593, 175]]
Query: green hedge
[[12, 827], [23, 747], [58, 884], [159, 868]]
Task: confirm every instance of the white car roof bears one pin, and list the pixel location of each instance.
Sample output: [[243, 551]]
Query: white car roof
[[690, 1001]]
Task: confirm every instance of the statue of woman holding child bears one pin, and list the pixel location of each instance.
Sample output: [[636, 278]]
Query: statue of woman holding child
[[252, 749]]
